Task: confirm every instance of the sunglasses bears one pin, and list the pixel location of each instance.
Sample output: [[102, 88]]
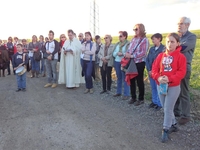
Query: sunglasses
[[135, 29], [120, 36], [63, 37], [105, 38], [79, 36]]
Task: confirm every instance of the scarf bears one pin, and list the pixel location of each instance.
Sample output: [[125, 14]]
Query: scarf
[[91, 44], [105, 54], [121, 44], [61, 43]]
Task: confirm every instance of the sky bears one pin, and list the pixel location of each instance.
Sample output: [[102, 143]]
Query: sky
[[24, 18]]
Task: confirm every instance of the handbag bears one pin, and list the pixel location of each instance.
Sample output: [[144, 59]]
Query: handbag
[[37, 55], [125, 62]]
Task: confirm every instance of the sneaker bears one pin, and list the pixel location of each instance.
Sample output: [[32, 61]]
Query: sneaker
[[157, 108], [165, 135], [24, 90], [125, 97], [54, 85], [48, 85], [174, 128], [91, 91], [132, 101], [183, 121], [139, 102], [152, 105], [86, 91], [18, 90]]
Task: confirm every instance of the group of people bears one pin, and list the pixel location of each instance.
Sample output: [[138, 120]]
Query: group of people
[[83, 61]]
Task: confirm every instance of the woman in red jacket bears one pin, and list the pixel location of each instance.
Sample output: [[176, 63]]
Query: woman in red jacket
[[168, 69]]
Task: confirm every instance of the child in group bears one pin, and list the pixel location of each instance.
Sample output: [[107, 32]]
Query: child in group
[[169, 69], [154, 51], [20, 59]]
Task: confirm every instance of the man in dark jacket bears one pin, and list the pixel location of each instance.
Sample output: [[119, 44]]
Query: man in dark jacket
[[188, 43], [52, 48]]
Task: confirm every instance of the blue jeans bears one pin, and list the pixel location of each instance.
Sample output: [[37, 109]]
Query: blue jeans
[[42, 69], [88, 74], [51, 70], [121, 78], [35, 65], [154, 91], [21, 81]]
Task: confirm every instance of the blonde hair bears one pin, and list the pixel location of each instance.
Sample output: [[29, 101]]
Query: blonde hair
[[141, 28], [62, 35], [109, 36]]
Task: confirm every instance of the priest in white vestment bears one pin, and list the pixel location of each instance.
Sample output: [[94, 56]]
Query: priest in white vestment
[[70, 66]]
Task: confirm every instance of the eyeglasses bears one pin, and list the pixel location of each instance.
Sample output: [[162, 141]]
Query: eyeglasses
[[105, 38], [135, 29]]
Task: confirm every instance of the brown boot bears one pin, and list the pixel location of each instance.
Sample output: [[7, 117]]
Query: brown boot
[[44, 75], [32, 74]]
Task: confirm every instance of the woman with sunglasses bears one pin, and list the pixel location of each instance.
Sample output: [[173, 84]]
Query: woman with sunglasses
[[106, 63], [138, 51], [120, 50], [34, 46], [61, 43]]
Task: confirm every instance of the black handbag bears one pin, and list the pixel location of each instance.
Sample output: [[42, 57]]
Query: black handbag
[[37, 56]]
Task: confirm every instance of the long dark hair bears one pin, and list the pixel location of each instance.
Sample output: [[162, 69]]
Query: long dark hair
[[89, 35]]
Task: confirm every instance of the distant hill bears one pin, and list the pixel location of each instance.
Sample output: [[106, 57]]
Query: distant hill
[[116, 38]]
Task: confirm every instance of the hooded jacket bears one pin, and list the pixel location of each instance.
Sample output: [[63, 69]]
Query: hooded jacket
[[171, 64]]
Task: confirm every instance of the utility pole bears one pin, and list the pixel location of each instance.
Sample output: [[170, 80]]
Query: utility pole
[[94, 18]]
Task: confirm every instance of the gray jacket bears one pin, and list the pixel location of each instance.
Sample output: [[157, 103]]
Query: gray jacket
[[188, 43], [109, 56]]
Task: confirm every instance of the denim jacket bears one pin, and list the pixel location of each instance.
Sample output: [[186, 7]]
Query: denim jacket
[[153, 53]]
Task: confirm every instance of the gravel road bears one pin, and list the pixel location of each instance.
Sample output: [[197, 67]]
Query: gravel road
[[56, 119]]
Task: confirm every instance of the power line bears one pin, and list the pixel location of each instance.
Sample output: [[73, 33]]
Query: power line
[[94, 17]]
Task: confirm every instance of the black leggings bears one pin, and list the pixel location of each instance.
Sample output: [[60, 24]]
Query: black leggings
[[140, 82], [106, 77]]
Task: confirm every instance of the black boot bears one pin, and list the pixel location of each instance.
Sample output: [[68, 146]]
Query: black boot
[[165, 135]]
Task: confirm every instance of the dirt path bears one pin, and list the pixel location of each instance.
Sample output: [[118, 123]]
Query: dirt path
[[55, 119]]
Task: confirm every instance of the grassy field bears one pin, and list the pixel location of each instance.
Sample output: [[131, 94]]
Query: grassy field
[[195, 77]]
